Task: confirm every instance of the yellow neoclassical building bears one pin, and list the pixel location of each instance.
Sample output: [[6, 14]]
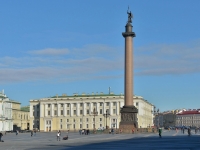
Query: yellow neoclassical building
[[20, 116], [84, 112]]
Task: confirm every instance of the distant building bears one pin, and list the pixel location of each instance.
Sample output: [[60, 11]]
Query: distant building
[[20, 116], [5, 113], [188, 118], [76, 112]]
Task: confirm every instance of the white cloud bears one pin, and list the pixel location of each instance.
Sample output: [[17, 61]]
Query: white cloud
[[168, 59], [100, 62], [50, 51]]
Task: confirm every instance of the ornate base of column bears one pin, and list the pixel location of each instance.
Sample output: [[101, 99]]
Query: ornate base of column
[[128, 122]]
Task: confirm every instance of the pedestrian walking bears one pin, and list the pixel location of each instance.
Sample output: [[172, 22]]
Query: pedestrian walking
[[58, 136], [80, 131], [160, 132], [35, 132], [31, 133], [189, 131], [112, 131], [16, 132], [1, 134]]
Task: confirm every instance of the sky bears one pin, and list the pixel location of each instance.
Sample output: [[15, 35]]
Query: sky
[[65, 47]]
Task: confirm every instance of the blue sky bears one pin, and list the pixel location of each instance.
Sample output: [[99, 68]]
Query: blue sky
[[55, 47]]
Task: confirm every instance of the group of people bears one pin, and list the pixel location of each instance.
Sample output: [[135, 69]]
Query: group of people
[[84, 131]]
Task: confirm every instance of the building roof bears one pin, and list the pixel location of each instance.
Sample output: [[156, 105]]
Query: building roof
[[189, 112]]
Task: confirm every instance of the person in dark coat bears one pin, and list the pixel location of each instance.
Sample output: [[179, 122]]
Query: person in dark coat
[[1, 134], [160, 132]]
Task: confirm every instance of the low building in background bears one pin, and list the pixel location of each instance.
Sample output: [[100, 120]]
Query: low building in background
[[84, 112], [6, 123], [189, 117], [20, 116]]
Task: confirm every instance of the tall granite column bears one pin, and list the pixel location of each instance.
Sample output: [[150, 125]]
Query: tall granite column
[[129, 111]]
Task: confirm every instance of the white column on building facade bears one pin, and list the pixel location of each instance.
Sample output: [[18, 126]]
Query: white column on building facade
[[104, 107], [41, 110], [117, 108], [45, 109], [111, 110], [31, 111], [71, 109], [78, 109], [91, 107], [98, 108], [58, 109], [64, 109], [84, 109], [52, 109]]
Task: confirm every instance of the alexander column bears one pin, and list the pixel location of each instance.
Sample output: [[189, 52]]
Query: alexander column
[[129, 111]]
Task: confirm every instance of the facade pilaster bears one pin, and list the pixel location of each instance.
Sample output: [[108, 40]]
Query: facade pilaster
[[52, 110], [41, 110], [78, 109], [58, 109], [45, 109], [117, 108], [71, 109], [65, 109], [111, 108], [84, 109]]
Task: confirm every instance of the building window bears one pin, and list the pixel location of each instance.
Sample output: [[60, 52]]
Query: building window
[[93, 119], [74, 126], [67, 112], [80, 119], [49, 105], [107, 104], [37, 114], [87, 125], [94, 104], [88, 111], [67, 104], [67, 120], [81, 104], [61, 112], [74, 120], [61, 105], [88, 104], [33, 114], [100, 125], [136, 103], [49, 113], [81, 112], [74, 104], [74, 112], [55, 105], [60, 120], [38, 106], [100, 119], [114, 104], [101, 111], [80, 125], [114, 111], [55, 112], [87, 119], [61, 126], [101, 104]]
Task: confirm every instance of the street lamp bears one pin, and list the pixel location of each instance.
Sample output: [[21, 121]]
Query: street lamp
[[94, 113], [106, 115]]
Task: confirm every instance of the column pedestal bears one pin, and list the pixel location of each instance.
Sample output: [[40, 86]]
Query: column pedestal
[[128, 119]]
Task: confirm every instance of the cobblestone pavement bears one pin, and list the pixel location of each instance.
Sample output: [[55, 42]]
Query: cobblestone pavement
[[43, 141]]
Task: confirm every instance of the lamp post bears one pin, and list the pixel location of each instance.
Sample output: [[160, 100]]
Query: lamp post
[[94, 113], [106, 115]]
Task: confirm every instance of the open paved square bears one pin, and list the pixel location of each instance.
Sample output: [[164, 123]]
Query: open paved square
[[42, 141]]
